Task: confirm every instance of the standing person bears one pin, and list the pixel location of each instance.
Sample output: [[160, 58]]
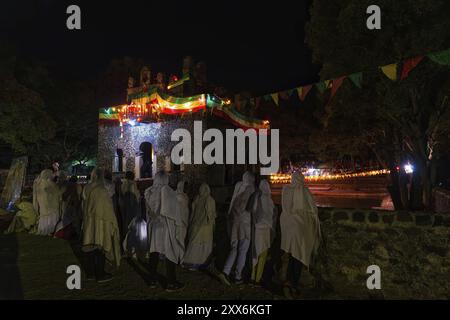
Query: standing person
[[109, 185], [36, 182], [116, 202], [130, 199], [79, 189], [70, 206], [182, 218], [201, 229], [100, 239], [300, 231], [264, 216], [47, 198], [240, 220], [55, 169], [161, 216]]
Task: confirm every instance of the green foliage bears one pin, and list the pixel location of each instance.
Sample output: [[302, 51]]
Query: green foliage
[[23, 117], [392, 121], [42, 117], [341, 42]]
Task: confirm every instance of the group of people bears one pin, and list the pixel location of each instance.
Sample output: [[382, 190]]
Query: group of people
[[56, 203], [252, 220], [113, 220]]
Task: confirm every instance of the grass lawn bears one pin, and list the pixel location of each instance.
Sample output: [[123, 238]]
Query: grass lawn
[[34, 267]]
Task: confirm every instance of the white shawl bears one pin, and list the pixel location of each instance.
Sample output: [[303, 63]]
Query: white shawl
[[299, 221], [201, 228], [239, 217], [264, 221], [153, 199], [48, 201]]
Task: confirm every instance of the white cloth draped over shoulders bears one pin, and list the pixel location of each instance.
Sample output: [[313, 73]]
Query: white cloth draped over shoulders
[[36, 182], [156, 226], [48, 203], [174, 208], [129, 201], [100, 228], [201, 228], [239, 216], [183, 216], [299, 221], [264, 221]]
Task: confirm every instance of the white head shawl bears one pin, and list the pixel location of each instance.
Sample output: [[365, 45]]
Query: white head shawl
[[47, 194], [36, 183], [203, 206], [180, 186], [302, 199], [153, 194], [248, 182], [265, 208], [248, 179], [97, 178]]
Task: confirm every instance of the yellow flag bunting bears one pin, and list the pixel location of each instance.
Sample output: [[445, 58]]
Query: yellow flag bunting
[[393, 71]]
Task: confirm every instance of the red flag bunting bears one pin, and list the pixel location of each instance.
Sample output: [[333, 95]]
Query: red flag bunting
[[305, 91], [336, 83], [410, 64]]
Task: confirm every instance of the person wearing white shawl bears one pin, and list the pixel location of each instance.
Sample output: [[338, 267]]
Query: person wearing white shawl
[[36, 182], [93, 181], [100, 239], [264, 215], [300, 229], [47, 201], [130, 199], [201, 229], [70, 207], [161, 203], [240, 234], [182, 219]]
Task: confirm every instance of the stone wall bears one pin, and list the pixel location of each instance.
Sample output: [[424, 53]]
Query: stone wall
[[441, 200], [412, 250]]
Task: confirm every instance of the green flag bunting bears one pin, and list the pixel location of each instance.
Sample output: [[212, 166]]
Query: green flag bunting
[[356, 78], [442, 57]]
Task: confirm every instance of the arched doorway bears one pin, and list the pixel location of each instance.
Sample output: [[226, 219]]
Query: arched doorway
[[119, 161], [146, 153]]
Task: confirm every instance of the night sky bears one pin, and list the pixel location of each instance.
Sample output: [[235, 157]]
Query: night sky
[[258, 47]]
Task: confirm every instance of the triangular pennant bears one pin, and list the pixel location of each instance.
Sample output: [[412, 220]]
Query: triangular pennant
[[390, 71], [267, 97], [408, 65], [299, 92], [290, 92], [275, 98], [356, 79], [304, 91], [321, 86], [442, 57], [335, 85]]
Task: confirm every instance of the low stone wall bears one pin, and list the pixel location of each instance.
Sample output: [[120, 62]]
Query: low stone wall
[[385, 218], [441, 200], [412, 250]]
